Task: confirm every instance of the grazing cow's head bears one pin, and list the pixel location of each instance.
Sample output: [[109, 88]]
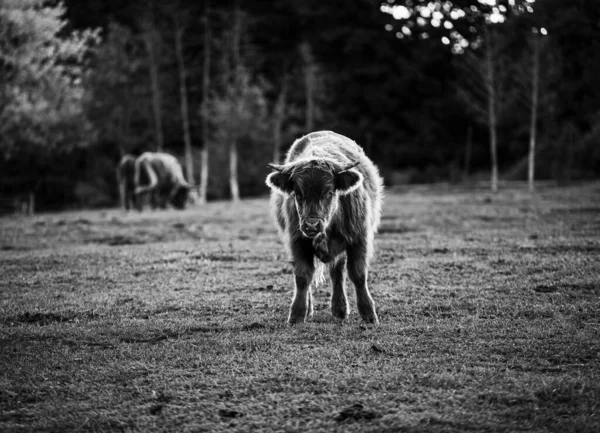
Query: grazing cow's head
[[315, 186], [181, 197]]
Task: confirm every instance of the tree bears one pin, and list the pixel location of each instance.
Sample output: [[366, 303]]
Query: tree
[[240, 106], [152, 41], [310, 72], [204, 155], [180, 26], [115, 101], [484, 90], [279, 112], [535, 87], [41, 92], [239, 77], [472, 28], [536, 75]]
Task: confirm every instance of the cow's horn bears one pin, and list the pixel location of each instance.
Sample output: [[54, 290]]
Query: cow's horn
[[349, 166], [275, 167]]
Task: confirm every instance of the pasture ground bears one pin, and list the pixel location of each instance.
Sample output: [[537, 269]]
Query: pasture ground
[[175, 321]]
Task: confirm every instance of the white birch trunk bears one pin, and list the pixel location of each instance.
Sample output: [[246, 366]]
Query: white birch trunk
[[233, 156], [185, 117], [204, 154], [491, 95], [233, 171], [534, 112]]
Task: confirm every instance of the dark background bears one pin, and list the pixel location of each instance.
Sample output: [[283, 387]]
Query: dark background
[[393, 85]]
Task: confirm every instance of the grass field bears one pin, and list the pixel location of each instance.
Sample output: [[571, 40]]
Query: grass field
[[176, 321]]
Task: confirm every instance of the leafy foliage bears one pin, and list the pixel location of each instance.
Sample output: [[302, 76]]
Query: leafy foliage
[[41, 77], [385, 76]]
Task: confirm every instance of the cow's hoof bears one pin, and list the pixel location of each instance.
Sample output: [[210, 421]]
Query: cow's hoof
[[295, 321], [339, 313], [370, 320]]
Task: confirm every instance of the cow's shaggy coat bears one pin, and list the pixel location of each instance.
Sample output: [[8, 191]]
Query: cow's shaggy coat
[[166, 183], [326, 199]]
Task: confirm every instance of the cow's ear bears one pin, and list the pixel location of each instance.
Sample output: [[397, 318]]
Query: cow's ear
[[280, 181], [347, 181]]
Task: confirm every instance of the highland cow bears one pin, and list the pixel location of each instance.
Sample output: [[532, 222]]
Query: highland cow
[[326, 200], [166, 183]]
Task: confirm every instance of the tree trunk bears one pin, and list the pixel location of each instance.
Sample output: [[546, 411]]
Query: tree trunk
[[534, 111], [185, 117], [309, 85], [31, 203], [149, 39], [205, 90], [233, 171], [491, 95], [279, 118], [468, 151], [237, 83], [124, 122]]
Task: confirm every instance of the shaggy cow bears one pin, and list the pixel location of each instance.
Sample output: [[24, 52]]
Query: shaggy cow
[[125, 180], [166, 183], [326, 199]]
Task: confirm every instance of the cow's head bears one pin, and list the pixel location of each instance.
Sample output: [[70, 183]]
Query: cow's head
[[315, 186], [181, 197]]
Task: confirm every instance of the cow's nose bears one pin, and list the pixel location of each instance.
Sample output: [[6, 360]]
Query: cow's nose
[[312, 223], [311, 226]]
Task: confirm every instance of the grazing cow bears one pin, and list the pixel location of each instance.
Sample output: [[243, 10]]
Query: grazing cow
[[125, 180], [166, 183], [326, 200]]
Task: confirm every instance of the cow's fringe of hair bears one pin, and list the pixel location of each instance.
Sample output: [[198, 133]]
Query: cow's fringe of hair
[[319, 276], [302, 164]]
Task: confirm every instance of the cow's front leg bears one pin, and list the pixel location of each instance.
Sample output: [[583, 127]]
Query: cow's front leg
[[357, 271], [304, 270], [339, 300]]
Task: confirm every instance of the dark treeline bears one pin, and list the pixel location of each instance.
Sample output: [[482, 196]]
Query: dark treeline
[[432, 90]]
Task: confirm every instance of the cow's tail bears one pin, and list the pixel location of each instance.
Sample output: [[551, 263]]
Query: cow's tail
[[319, 277]]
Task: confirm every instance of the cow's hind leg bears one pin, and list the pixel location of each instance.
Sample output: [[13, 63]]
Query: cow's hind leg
[[304, 270], [357, 271], [339, 300]]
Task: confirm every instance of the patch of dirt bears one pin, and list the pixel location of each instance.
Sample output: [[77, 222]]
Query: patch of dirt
[[230, 413], [48, 318], [254, 325], [118, 240], [215, 257], [543, 288], [356, 412], [395, 227], [13, 248]]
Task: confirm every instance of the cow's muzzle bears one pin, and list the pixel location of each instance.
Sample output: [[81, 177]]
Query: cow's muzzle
[[311, 227]]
